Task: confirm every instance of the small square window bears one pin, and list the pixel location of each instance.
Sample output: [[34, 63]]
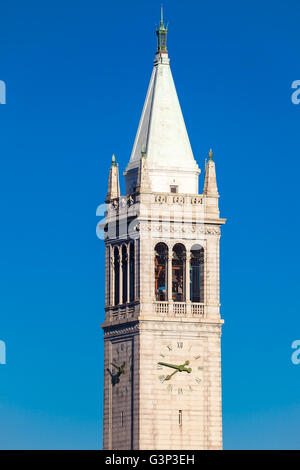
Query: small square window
[[174, 189]]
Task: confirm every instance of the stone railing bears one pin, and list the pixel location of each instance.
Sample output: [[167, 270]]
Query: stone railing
[[197, 309], [122, 312], [162, 307], [126, 312], [179, 309]]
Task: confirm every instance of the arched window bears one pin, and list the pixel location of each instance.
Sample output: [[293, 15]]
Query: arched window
[[117, 276], [197, 274], [124, 273], [131, 272], [178, 272], [161, 257]]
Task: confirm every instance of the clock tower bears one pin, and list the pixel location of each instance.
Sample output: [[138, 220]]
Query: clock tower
[[162, 328]]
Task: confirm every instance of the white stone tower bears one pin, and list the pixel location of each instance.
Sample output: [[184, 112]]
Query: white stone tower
[[162, 328]]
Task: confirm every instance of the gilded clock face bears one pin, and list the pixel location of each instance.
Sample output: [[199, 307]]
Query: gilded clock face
[[120, 369], [180, 367]]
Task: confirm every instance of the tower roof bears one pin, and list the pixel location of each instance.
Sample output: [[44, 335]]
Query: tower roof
[[162, 130]]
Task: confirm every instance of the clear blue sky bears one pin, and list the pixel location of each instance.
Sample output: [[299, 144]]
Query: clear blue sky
[[76, 74]]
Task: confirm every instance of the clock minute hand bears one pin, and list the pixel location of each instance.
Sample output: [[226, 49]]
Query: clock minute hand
[[120, 369], [180, 368], [172, 366]]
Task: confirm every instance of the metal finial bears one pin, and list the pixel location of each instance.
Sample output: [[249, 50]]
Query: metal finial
[[210, 154], [113, 160], [161, 33]]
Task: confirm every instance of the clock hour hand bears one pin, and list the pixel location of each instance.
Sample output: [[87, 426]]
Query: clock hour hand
[[168, 377], [114, 377]]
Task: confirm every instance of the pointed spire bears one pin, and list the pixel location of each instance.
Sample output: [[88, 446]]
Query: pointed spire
[[210, 181], [113, 191], [162, 130], [143, 180]]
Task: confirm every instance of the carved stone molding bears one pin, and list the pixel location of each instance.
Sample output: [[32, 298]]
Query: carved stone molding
[[187, 228], [122, 202], [197, 200], [161, 199], [137, 326], [202, 327], [178, 200], [118, 330]]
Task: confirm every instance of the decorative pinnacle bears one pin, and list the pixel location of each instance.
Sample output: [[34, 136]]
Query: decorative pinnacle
[[113, 160], [161, 33], [210, 154], [143, 151]]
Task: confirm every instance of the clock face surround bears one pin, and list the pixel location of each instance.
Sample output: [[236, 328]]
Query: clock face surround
[[179, 367]]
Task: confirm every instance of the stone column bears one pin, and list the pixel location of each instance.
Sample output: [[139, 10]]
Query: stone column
[[169, 277], [107, 276], [187, 282], [153, 273], [136, 258], [112, 276], [128, 272], [187, 276], [120, 276]]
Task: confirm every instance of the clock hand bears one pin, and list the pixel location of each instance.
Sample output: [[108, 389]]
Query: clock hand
[[172, 366], [114, 377], [120, 369], [188, 370], [168, 377], [185, 369], [180, 368]]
